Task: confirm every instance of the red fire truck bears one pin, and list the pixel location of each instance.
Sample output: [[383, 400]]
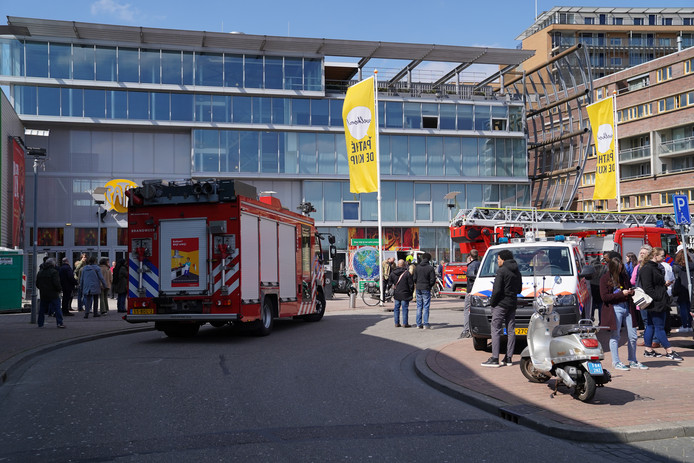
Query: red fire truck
[[478, 228], [211, 252]]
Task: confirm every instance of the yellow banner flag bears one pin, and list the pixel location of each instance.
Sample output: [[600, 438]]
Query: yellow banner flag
[[359, 115], [601, 115]]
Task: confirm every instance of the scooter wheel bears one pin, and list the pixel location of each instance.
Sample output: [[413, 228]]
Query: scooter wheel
[[529, 371], [585, 389]]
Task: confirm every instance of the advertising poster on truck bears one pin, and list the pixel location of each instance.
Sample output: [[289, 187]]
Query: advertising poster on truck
[[184, 258]]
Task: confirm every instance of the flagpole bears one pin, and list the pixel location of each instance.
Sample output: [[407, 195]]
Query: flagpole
[[378, 193], [616, 150]]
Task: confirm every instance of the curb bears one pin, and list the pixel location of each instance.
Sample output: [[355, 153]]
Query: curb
[[531, 416], [10, 365]]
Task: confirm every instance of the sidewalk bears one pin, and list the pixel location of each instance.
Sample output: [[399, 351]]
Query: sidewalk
[[21, 340], [635, 406]]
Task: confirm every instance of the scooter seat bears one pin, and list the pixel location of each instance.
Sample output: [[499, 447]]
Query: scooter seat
[[563, 330]]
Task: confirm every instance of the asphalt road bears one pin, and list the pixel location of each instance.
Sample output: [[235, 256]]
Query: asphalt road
[[343, 389]]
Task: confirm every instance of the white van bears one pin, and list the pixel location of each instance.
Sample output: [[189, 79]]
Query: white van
[[554, 265]]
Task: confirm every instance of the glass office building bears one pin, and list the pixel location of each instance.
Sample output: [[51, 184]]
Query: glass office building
[[136, 103]]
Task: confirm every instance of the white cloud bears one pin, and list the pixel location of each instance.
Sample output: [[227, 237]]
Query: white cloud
[[122, 11]]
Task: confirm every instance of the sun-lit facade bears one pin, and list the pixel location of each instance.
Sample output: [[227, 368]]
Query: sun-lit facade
[[135, 103]]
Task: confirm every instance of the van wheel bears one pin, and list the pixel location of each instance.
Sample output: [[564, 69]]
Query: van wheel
[[267, 321], [479, 343]]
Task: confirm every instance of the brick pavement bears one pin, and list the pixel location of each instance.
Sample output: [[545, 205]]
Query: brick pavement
[[658, 399]]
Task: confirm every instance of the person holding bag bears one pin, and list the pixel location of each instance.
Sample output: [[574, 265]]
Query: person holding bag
[[652, 277], [401, 281], [618, 309]]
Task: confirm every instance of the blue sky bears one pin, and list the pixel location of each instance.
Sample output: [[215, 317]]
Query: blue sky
[[462, 22]]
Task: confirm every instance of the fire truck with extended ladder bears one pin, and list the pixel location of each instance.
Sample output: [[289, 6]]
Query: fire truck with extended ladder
[[480, 227], [212, 252]]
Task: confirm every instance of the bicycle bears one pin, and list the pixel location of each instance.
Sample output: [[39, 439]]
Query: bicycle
[[372, 294]]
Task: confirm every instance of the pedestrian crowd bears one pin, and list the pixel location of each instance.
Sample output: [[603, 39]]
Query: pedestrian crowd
[[90, 283]]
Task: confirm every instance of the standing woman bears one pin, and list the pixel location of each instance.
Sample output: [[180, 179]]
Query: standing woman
[[652, 278], [618, 309], [91, 282], [108, 278], [120, 283]]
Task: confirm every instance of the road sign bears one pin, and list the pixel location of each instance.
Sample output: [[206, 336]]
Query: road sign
[[365, 242], [681, 204]]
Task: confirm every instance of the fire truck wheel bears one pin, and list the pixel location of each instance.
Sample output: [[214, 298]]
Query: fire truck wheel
[[181, 330], [320, 308], [266, 322]]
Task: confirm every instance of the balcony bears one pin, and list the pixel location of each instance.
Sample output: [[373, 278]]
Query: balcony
[[634, 155], [676, 147]]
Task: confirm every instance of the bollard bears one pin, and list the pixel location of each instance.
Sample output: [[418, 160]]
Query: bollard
[[352, 300]]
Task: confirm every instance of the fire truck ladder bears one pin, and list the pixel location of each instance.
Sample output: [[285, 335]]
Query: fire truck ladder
[[541, 219]]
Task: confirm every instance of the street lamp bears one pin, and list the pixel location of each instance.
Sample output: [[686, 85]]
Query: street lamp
[[99, 195], [39, 155]]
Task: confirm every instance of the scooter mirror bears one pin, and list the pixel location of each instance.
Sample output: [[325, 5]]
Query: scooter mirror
[[557, 280]]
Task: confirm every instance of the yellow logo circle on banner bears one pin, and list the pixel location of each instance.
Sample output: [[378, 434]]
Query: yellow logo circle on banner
[[115, 194]]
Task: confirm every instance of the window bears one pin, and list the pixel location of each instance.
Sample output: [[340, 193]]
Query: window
[[664, 73], [667, 21], [588, 179], [668, 104], [60, 60], [688, 21], [422, 194], [665, 42], [617, 21], [643, 200], [350, 210], [639, 82], [616, 61], [688, 66], [616, 41], [625, 202], [600, 93], [638, 21], [588, 20]]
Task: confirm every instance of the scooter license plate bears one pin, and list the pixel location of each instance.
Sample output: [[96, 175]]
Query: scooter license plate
[[595, 368]]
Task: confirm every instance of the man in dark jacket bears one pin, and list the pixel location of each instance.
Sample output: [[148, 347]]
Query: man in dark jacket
[[48, 282], [424, 279], [403, 286], [67, 283], [507, 285]]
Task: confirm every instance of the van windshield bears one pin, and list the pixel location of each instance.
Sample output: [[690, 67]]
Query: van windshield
[[535, 260]]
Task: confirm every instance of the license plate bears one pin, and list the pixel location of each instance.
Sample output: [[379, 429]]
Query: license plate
[[518, 331], [595, 368], [143, 311]]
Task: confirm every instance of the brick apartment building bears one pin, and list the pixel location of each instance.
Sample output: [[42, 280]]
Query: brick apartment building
[[655, 113]]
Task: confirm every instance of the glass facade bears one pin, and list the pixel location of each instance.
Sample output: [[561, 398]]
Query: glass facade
[[263, 118]]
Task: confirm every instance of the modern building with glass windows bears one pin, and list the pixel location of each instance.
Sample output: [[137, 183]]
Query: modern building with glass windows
[[138, 103]]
